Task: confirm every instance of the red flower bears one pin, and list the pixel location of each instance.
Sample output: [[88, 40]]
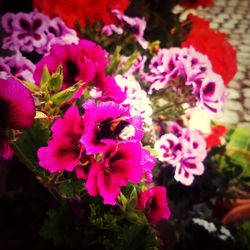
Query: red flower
[[213, 44], [213, 140], [189, 4], [82, 10], [154, 203]]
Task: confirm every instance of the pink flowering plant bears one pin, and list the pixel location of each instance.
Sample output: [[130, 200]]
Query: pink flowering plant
[[97, 116]]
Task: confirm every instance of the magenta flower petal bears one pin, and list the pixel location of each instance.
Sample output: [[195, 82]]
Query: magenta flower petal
[[110, 89], [154, 203], [82, 61], [148, 162], [105, 123], [119, 164], [64, 149], [109, 188], [60, 154], [70, 125], [17, 111], [17, 106], [91, 183], [6, 151]]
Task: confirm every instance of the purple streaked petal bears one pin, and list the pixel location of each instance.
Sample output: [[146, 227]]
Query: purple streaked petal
[[7, 22], [17, 105]]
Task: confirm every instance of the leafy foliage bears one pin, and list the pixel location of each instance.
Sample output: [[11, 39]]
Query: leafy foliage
[[31, 140]]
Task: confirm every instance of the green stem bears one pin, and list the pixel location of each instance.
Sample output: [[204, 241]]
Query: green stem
[[23, 157]]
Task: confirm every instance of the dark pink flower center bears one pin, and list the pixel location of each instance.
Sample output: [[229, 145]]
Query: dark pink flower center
[[72, 71]]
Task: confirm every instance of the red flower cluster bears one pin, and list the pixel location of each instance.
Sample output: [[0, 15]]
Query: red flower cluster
[[213, 44], [82, 10], [196, 3], [213, 139]]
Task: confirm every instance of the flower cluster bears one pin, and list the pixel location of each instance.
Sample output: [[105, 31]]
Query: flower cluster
[[184, 149], [109, 129], [215, 45], [18, 66], [102, 108], [177, 68], [34, 31]]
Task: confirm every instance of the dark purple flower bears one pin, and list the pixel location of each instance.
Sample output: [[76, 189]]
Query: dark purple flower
[[17, 111]]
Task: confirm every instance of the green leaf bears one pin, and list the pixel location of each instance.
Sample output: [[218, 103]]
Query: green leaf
[[65, 95], [56, 79], [71, 188], [44, 79], [115, 60], [132, 198], [130, 61], [137, 237], [238, 148], [124, 201], [31, 86], [58, 226], [31, 140]]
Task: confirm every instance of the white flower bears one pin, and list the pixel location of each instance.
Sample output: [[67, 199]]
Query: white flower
[[209, 226], [225, 234]]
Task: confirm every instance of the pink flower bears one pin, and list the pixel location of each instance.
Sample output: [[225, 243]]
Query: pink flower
[[135, 23], [64, 149], [110, 91], [34, 31], [119, 164], [184, 149], [108, 122], [169, 148], [212, 95], [18, 66], [17, 111], [86, 62], [26, 31], [80, 62], [154, 204], [186, 168]]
